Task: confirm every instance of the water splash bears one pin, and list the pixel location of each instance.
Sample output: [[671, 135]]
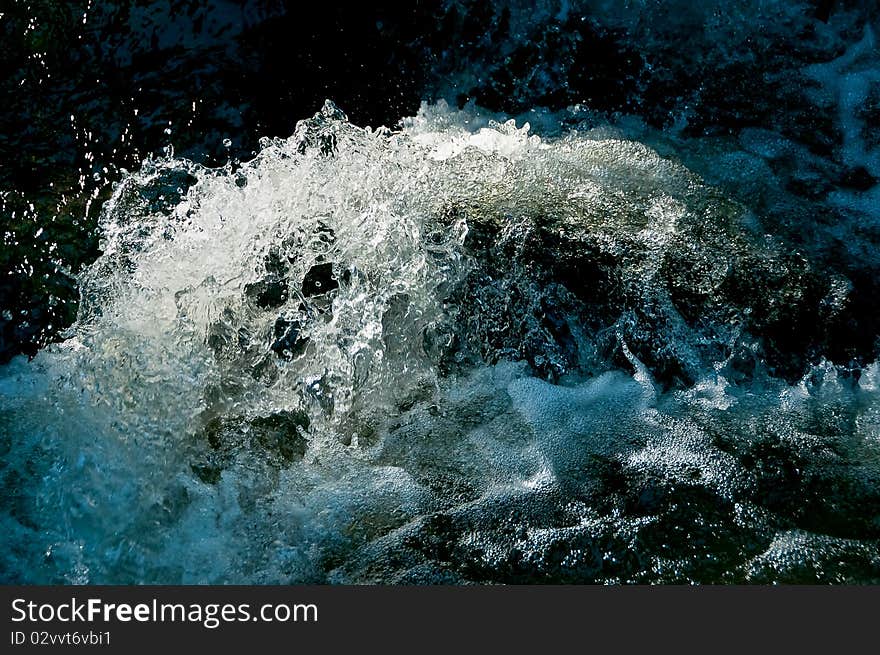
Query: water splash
[[446, 353]]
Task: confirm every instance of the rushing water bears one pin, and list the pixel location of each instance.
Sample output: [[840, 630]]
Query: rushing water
[[468, 349]]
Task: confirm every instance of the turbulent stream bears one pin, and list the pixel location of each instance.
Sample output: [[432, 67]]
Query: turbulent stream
[[548, 345]]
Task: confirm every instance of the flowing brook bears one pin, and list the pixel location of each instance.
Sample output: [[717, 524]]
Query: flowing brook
[[599, 311]]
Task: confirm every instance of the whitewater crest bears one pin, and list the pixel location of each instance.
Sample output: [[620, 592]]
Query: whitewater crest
[[451, 352]]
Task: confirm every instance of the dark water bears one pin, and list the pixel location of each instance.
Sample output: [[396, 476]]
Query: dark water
[[635, 341]]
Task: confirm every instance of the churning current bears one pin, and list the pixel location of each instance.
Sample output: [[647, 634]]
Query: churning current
[[454, 352]]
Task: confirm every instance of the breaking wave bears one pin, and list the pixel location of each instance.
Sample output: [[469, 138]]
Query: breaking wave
[[454, 352]]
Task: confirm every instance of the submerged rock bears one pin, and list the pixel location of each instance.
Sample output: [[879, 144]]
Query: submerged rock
[[277, 440]]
